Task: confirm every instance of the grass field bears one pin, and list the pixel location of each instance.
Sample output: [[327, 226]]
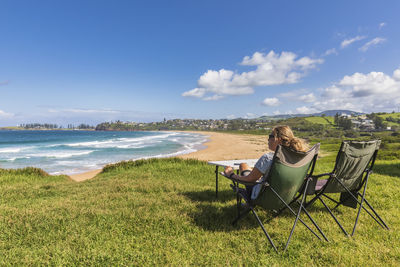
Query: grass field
[[321, 120], [164, 211], [393, 115]]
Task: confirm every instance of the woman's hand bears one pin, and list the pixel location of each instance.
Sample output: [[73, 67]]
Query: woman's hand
[[228, 171]]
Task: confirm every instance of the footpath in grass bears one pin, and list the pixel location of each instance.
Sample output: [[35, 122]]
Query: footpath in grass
[[164, 211]]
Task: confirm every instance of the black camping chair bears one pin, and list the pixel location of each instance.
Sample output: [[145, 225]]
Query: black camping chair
[[287, 176], [354, 163]]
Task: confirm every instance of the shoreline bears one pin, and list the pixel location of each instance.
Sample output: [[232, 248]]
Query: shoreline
[[219, 146]]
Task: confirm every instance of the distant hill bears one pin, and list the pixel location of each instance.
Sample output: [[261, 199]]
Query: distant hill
[[326, 112]]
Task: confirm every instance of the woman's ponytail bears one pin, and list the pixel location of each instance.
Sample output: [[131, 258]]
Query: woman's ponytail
[[285, 134]]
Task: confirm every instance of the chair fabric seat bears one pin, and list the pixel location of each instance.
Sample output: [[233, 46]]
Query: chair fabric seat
[[320, 184]]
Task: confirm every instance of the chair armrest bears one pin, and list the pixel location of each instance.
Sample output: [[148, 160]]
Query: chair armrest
[[240, 181]]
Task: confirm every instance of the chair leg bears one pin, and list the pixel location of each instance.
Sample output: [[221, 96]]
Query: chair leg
[[315, 224], [238, 202], [333, 216], [293, 212], [297, 218], [284, 208], [376, 214], [265, 231], [361, 203]]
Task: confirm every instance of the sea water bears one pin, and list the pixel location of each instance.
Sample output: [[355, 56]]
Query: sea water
[[70, 152]]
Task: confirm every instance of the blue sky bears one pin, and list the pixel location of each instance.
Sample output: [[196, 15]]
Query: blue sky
[[92, 61]]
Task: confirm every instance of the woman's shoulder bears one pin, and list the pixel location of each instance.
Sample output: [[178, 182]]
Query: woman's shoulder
[[268, 156]]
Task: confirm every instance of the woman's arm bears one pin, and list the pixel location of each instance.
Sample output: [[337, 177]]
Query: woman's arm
[[253, 176]]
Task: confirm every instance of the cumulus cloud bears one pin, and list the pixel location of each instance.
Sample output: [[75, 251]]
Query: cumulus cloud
[[348, 42], [373, 42], [271, 102], [4, 114], [302, 95], [213, 98], [307, 98], [373, 83], [270, 69], [306, 110], [362, 92], [396, 75]]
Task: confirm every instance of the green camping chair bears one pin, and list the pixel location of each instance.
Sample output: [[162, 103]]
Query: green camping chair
[[354, 163], [280, 186]]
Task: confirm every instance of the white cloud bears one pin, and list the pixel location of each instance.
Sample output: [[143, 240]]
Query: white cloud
[[332, 91], [382, 24], [348, 42], [83, 111], [272, 102], [306, 110], [231, 117], [4, 114], [213, 98], [277, 112], [302, 95], [396, 74], [370, 84], [196, 92], [369, 92], [330, 52], [250, 116], [308, 98], [271, 69], [373, 42]]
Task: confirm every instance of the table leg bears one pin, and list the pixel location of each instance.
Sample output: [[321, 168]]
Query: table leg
[[216, 181]]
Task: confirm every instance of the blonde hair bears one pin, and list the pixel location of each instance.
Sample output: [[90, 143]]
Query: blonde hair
[[285, 134]]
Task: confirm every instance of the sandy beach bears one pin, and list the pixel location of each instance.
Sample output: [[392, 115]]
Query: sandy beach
[[220, 146]]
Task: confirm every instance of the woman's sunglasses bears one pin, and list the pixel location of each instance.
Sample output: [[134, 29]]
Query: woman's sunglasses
[[271, 136]]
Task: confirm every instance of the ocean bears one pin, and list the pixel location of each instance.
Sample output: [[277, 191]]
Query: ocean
[[71, 152]]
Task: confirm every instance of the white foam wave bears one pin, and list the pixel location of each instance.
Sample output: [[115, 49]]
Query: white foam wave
[[64, 154], [123, 142], [10, 150]]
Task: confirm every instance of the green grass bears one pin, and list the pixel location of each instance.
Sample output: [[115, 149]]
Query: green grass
[[164, 211], [393, 115], [321, 120]]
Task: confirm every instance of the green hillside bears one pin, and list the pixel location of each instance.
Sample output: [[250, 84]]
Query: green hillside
[[392, 119], [328, 120]]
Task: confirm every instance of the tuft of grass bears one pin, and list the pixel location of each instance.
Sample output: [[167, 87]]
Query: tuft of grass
[[164, 212]]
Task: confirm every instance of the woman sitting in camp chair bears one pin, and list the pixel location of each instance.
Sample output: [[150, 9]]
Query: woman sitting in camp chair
[[281, 135]]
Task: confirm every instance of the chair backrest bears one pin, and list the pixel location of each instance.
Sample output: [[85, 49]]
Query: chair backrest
[[286, 176], [352, 160]]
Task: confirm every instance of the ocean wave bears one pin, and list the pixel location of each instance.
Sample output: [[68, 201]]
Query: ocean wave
[[10, 150], [124, 142], [63, 154], [69, 157], [14, 159]]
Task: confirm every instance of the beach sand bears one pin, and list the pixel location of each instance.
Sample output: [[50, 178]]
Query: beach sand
[[221, 146]]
